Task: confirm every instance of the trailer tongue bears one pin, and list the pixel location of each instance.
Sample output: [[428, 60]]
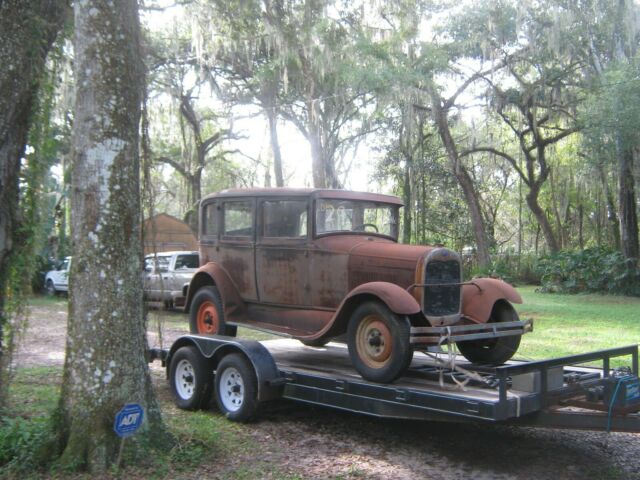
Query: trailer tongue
[[556, 393]]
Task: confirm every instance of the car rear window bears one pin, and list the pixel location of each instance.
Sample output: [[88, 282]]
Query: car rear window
[[238, 219], [284, 218]]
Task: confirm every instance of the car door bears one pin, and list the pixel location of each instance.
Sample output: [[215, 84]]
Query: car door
[[282, 254], [236, 248], [61, 277], [156, 276]]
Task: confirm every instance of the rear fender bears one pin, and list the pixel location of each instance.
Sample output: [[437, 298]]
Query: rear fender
[[479, 296], [214, 274], [216, 347], [396, 298]]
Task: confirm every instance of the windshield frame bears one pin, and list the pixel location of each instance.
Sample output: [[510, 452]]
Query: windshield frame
[[393, 207]]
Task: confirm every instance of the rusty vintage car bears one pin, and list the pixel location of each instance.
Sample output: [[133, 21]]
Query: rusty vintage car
[[318, 265]]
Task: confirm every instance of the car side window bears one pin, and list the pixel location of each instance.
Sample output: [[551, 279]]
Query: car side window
[[284, 218], [187, 261], [210, 219], [238, 219]]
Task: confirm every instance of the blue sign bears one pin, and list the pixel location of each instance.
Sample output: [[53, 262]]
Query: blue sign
[[128, 420]]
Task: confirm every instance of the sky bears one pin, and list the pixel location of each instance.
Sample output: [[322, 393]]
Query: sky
[[295, 149]]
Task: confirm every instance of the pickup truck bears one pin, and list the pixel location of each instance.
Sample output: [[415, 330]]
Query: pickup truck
[[165, 275], [56, 281]]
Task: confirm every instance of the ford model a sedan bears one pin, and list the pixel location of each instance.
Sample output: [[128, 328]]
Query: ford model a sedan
[[318, 265]]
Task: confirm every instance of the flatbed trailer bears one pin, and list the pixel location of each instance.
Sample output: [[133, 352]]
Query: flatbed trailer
[[556, 393]]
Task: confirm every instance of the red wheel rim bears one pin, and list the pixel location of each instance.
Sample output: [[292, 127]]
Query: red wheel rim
[[208, 320]]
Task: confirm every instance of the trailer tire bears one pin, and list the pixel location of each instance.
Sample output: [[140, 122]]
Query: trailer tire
[[494, 351], [191, 378], [206, 315], [236, 388], [378, 341]]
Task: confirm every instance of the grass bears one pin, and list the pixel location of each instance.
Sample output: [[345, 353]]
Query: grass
[[570, 324], [207, 444]]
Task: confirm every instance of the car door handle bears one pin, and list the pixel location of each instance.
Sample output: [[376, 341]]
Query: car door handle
[[166, 278]]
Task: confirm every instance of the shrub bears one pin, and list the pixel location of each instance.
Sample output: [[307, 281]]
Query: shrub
[[592, 270], [21, 442]]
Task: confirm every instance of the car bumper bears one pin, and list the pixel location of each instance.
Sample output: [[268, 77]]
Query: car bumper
[[461, 333]]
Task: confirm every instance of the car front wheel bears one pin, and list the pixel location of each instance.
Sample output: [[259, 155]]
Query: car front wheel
[[494, 351], [378, 341], [50, 288]]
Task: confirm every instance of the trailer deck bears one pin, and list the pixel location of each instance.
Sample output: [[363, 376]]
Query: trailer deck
[[559, 393]]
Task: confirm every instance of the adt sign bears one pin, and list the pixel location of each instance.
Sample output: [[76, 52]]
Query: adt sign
[[128, 420]]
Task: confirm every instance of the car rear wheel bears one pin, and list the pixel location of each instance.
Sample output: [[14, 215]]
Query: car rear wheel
[[494, 351], [378, 341], [207, 313], [50, 288]]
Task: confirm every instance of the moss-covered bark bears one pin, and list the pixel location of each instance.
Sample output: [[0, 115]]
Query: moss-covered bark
[[105, 366], [29, 28]]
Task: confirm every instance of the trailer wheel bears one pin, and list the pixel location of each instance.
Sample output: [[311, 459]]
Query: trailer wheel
[[378, 341], [191, 378], [495, 351], [236, 388], [207, 313]]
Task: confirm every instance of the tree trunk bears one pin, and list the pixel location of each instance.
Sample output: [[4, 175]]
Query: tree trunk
[[105, 367], [541, 217], [466, 183], [317, 158], [29, 29], [612, 216], [275, 146], [408, 207], [627, 203]]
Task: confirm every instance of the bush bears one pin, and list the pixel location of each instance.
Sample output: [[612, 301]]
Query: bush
[[21, 442], [512, 268], [595, 270]]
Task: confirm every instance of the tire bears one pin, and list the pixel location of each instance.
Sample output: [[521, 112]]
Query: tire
[[50, 288], [320, 342], [191, 378], [495, 351], [207, 313], [236, 388], [378, 342]]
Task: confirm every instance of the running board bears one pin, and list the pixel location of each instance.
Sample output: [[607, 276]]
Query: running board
[[461, 333]]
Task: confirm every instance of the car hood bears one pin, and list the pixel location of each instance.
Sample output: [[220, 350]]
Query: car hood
[[375, 259]]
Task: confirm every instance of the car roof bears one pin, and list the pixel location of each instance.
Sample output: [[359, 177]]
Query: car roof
[[305, 192]]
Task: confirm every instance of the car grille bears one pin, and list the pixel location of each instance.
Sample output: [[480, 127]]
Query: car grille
[[443, 267]]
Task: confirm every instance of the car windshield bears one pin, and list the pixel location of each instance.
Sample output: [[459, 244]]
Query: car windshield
[[356, 216]]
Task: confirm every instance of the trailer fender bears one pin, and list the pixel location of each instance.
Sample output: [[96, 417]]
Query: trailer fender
[[479, 296], [217, 347], [396, 298], [214, 274]]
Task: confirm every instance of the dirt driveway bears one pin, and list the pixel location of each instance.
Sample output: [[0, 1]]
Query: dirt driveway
[[323, 443]]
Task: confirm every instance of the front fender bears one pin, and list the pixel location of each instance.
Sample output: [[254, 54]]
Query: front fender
[[479, 296], [396, 298]]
